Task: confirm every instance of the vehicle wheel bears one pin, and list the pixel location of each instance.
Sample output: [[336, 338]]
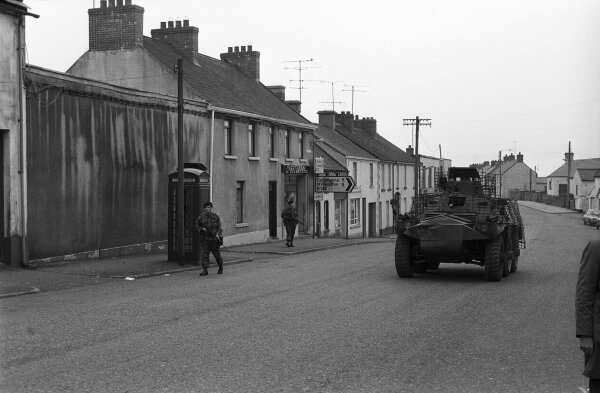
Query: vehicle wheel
[[493, 263], [404, 266], [433, 265], [514, 264]]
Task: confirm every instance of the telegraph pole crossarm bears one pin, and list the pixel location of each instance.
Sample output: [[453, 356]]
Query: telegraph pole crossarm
[[417, 122]]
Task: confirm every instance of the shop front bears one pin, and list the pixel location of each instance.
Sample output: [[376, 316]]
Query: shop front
[[295, 188]]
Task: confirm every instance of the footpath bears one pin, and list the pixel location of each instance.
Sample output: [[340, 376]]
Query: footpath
[[78, 273]]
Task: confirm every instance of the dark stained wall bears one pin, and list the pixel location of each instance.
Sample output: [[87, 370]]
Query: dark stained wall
[[98, 164]]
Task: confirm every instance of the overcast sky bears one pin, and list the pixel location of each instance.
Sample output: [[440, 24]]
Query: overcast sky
[[511, 76]]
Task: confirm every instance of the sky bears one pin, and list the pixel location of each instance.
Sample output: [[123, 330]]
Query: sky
[[494, 77]]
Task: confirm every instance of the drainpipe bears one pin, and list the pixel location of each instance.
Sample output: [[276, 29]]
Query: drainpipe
[[212, 152], [22, 140]]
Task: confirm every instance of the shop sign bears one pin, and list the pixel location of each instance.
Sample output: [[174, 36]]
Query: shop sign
[[319, 165], [334, 184], [295, 169]]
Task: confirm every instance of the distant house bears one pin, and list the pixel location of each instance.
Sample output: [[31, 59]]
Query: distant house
[[557, 180], [584, 184], [594, 195], [392, 177], [430, 171], [509, 175]]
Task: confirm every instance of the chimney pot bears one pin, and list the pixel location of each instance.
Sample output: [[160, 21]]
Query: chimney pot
[[230, 49], [127, 2], [119, 3], [236, 49], [170, 24], [163, 25], [243, 48], [178, 23], [186, 23], [249, 48], [102, 3], [111, 3]]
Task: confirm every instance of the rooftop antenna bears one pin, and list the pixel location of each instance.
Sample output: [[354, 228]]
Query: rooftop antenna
[[353, 90], [332, 83], [300, 67]]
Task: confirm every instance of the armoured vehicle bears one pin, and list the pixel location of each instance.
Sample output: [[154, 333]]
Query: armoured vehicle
[[463, 222]]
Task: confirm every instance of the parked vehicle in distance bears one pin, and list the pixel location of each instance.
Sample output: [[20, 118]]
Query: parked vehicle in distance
[[591, 217]]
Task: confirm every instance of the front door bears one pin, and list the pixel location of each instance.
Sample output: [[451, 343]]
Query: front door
[[273, 209]]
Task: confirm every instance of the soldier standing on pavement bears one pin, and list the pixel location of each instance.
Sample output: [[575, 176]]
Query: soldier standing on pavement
[[211, 237], [587, 312], [290, 219]]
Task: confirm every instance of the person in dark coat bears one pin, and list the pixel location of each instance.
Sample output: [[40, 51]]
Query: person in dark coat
[[211, 237], [290, 219], [587, 312]]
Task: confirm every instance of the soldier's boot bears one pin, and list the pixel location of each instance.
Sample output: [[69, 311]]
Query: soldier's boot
[[220, 271], [204, 272]]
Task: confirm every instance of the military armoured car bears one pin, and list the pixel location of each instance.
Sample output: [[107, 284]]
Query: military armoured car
[[463, 222]]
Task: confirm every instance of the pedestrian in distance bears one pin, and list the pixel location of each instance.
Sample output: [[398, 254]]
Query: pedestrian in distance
[[290, 219], [208, 225], [587, 312]]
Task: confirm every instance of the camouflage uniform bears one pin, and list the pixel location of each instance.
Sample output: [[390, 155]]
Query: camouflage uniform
[[211, 223], [290, 218]]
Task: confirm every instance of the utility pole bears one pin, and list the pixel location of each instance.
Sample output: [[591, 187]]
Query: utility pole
[[417, 122], [299, 68], [180, 174], [568, 159]]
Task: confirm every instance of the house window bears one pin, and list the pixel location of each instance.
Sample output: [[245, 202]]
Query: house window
[[355, 171], [390, 176], [251, 140], [240, 202], [382, 176], [326, 215], [354, 211], [271, 142], [301, 145], [228, 137], [371, 174], [576, 190], [338, 214], [387, 214], [550, 185], [287, 143]]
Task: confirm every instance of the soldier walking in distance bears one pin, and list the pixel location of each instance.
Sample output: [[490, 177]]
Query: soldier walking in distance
[[290, 218], [211, 237], [587, 312]]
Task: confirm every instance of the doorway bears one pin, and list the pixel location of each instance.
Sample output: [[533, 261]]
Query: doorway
[[273, 209], [372, 219]]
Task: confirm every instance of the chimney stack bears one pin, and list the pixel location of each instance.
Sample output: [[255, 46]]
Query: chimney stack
[[519, 157], [346, 119], [410, 151], [278, 90], [368, 124], [295, 105], [327, 119], [247, 60], [182, 36], [115, 27]]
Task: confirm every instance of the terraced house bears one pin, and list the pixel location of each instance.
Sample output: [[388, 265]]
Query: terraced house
[[104, 140]]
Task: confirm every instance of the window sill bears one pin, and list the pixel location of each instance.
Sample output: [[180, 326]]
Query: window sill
[[289, 160], [303, 161], [241, 225], [227, 157], [355, 225], [253, 158], [274, 159]]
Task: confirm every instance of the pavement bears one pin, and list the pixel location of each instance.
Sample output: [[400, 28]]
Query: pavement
[[77, 273]]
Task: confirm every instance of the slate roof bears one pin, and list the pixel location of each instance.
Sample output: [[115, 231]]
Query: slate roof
[[376, 145], [330, 163], [505, 166], [224, 85], [590, 163], [588, 174], [342, 144]]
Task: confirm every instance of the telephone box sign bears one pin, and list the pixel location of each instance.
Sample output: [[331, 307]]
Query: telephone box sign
[[319, 165], [295, 169]]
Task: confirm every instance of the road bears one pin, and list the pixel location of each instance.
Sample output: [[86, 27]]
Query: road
[[333, 321]]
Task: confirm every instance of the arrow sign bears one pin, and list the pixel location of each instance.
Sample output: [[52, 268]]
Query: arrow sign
[[334, 184]]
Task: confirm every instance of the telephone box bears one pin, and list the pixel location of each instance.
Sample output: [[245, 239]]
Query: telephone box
[[196, 192]]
